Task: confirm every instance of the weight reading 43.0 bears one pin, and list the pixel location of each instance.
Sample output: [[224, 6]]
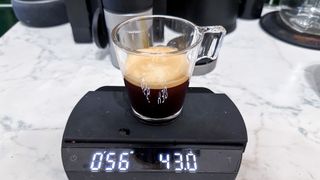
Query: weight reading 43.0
[[179, 162]]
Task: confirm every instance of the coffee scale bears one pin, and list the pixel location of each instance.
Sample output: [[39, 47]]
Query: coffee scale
[[103, 140]]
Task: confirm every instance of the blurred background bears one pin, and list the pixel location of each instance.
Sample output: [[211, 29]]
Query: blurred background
[[7, 17]]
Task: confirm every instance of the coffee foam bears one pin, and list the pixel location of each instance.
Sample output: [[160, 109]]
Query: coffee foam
[[157, 71]]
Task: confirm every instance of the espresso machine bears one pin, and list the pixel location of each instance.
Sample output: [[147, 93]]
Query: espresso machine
[[90, 19]]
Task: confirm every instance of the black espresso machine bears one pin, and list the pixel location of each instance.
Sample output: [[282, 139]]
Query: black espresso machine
[[201, 12], [104, 140], [93, 20]]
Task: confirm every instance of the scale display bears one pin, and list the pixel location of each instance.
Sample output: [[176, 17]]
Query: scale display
[[146, 159], [149, 159]]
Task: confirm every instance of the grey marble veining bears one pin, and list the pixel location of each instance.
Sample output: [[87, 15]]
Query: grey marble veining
[[43, 74]]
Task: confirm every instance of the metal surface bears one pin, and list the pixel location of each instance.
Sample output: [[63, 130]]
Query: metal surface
[[113, 19]]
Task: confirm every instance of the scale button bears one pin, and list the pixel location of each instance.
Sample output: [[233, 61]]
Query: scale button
[[124, 131], [73, 157]]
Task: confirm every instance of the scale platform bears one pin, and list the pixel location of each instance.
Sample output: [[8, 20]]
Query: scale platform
[[104, 140]]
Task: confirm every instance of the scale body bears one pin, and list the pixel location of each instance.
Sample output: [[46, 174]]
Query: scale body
[[103, 140]]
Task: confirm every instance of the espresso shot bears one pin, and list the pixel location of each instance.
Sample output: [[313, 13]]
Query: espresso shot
[[157, 84], [161, 103]]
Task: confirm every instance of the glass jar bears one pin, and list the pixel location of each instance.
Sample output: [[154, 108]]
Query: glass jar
[[301, 15]]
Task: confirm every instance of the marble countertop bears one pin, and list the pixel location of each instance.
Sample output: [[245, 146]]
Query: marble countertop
[[43, 74]]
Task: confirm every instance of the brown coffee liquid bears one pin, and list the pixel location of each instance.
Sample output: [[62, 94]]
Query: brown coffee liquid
[[150, 107], [157, 84]]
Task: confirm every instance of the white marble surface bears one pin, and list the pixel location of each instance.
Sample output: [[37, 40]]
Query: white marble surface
[[43, 74]]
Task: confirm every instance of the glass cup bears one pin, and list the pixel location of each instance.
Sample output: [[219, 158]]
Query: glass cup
[[157, 55]]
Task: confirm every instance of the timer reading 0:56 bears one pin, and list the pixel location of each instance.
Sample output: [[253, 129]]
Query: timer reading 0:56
[[118, 160]]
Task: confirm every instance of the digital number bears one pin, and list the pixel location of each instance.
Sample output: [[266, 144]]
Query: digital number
[[110, 161], [96, 161], [191, 168], [178, 161], [123, 163], [165, 160]]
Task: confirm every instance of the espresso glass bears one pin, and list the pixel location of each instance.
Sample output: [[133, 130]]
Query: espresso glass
[[157, 55]]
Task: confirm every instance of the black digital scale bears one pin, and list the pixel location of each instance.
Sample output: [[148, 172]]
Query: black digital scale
[[103, 140]]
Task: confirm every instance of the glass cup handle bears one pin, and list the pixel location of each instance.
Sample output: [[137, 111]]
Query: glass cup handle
[[211, 42]]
